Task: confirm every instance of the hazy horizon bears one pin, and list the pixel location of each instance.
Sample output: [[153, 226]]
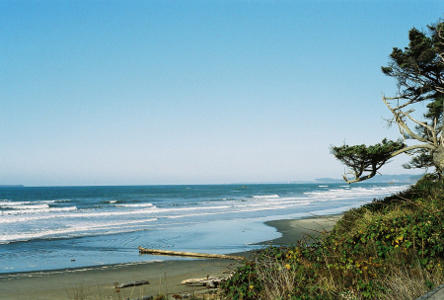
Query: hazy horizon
[[314, 181]]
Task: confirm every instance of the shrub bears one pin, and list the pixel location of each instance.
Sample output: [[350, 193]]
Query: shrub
[[393, 247]]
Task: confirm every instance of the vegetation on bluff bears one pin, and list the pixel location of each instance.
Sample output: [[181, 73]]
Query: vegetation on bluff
[[389, 249]]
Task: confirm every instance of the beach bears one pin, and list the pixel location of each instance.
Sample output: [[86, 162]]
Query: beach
[[163, 277], [98, 283]]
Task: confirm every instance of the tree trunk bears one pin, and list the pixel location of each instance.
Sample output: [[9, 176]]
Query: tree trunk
[[438, 159]]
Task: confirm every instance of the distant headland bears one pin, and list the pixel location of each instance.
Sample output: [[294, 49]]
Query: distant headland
[[407, 178]]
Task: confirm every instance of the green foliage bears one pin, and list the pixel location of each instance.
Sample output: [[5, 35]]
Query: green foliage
[[362, 158], [429, 185], [244, 284], [417, 68], [422, 160], [363, 253]]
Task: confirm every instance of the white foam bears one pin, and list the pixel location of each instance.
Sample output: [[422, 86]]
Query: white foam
[[243, 209], [135, 205], [73, 230], [14, 203], [20, 211], [25, 207], [89, 213], [266, 196], [354, 193]]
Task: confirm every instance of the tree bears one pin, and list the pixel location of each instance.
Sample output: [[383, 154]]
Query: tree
[[419, 72]]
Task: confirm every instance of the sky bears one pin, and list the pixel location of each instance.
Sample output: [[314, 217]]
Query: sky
[[195, 92]]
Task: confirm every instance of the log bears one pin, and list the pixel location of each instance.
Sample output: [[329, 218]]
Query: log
[[133, 283], [188, 254], [193, 280], [199, 280], [210, 282], [141, 298]]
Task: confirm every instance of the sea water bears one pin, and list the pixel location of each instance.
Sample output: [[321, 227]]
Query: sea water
[[49, 228]]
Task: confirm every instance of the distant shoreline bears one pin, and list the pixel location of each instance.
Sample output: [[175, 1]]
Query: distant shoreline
[[400, 178]]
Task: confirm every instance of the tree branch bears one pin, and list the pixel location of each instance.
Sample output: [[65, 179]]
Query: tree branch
[[409, 148], [402, 124], [429, 128], [377, 166]]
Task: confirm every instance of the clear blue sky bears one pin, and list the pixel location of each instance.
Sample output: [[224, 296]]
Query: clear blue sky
[[194, 92]]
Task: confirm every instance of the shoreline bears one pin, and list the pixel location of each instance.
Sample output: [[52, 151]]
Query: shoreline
[[98, 282], [294, 230]]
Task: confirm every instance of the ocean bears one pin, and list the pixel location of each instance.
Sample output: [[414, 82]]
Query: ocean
[[53, 228]]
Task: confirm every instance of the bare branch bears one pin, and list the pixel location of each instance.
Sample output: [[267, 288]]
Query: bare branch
[[399, 98], [402, 125], [429, 128], [409, 148]]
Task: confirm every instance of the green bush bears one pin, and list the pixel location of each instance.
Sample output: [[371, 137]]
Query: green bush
[[244, 284], [371, 252]]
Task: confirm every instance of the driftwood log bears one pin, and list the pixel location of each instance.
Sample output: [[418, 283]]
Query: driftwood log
[[210, 282], [188, 254], [141, 298], [133, 283]]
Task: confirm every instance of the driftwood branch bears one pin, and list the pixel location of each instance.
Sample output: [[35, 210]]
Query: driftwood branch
[[133, 283], [187, 254], [210, 282], [141, 298]]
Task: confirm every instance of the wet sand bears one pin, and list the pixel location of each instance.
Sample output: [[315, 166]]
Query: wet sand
[[98, 282], [301, 229]]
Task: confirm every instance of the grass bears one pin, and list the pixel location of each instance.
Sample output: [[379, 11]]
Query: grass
[[389, 249]]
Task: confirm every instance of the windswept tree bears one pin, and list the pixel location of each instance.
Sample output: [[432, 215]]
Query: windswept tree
[[419, 72]]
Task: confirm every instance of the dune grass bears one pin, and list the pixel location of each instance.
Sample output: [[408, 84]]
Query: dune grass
[[389, 249]]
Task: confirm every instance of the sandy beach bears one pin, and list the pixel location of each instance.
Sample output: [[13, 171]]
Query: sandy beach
[[299, 229], [98, 282]]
